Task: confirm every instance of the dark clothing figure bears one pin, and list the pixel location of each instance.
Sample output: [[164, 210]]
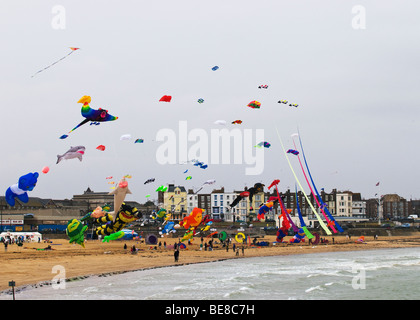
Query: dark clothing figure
[[176, 255]]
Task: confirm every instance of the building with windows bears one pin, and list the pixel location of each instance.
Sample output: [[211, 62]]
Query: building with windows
[[358, 206], [394, 207], [192, 200], [175, 201], [344, 203]]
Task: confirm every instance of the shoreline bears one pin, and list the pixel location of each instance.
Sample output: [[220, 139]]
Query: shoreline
[[31, 267]]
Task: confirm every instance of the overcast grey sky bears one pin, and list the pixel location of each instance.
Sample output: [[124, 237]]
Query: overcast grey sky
[[357, 90]]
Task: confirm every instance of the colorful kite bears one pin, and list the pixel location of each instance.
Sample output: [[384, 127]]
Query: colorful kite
[[258, 187], [264, 86], [237, 122], [264, 209], [254, 104], [166, 98], [200, 100], [139, 141], [99, 115], [202, 165], [75, 230], [295, 152], [328, 232], [72, 153], [283, 101], [168, 227], [100, 148], [19, 190], [193, 219], [263, 144], [114, 236], [72, 50], [302, 222], [215, 68], [321, 204], [110, 225]]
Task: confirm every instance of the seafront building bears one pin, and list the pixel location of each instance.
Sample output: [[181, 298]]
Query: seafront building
[[53, 214]]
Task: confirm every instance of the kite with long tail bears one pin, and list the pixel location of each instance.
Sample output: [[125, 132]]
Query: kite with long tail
[[284, 214], [323, 206], [329, 223], [96, 116], [328, 232], [302, 222], [72, 50]]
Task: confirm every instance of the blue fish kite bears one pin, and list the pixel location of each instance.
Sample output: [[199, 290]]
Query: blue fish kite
[[215, 68]]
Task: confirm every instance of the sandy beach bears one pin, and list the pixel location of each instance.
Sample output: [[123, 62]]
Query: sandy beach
[[29, 265]]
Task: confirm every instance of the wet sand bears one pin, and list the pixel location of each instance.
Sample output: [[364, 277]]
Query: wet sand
[[29, 265]]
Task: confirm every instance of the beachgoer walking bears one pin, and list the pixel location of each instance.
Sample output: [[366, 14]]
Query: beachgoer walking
[[176, 255]]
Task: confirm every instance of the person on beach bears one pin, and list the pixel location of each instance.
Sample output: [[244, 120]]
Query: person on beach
[[176, 255], [133, 249]]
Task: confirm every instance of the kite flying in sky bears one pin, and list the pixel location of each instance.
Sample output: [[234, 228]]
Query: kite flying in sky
[[166, 99], [72, 50], [149, 180], [254, 104], [295, 152], [99, 115], [263, 144], [72, 153]]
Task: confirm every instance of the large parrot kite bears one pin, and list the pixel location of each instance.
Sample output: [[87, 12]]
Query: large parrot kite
[[94, 115]]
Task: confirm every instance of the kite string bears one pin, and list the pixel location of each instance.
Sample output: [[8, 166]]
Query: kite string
[[300, 186], [53, 63]]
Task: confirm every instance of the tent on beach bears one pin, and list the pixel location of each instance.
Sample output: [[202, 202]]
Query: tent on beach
[[32, 236]]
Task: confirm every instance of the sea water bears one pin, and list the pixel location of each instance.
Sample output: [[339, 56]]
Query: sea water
[[391, 274]]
